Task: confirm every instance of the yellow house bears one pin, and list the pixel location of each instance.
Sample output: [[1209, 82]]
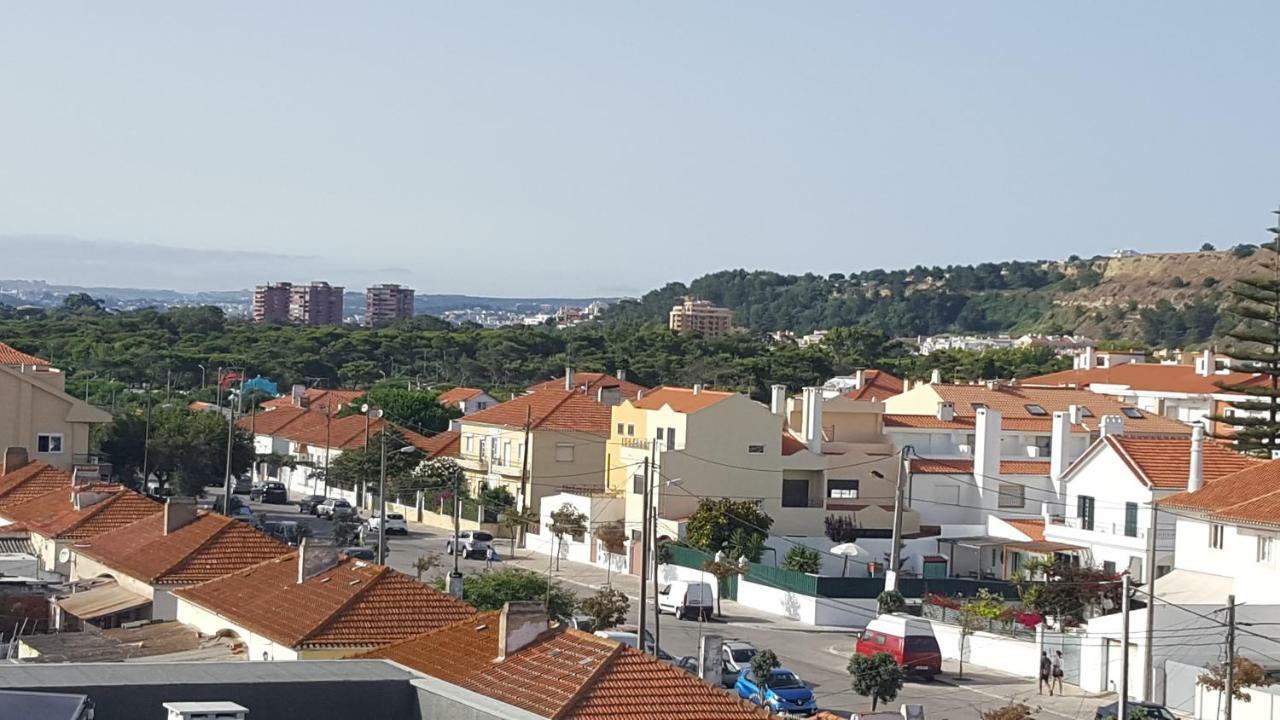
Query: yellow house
[[36, 413]]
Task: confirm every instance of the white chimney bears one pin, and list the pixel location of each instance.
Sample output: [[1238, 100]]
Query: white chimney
[[568, 378], [621, 374], [935, 378], [81, 499], [778, 400], [1111, 425], [1195, 473], [178, 511], [15, 458], [315, 557], [697, 388], [1086, 359], [1204, 363], [986, 449], [859, 378], [812, 429], [1075, 415], [946, 411], [1060, 432], [298, 395], [520, 623]]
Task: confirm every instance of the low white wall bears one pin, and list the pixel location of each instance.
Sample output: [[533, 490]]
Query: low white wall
[[1208, 704], [1015, 657], [775, 601]]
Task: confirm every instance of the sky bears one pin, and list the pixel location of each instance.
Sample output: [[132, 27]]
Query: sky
[[606, 148]]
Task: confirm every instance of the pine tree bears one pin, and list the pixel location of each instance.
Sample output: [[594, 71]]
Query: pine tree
[[1255, 425]]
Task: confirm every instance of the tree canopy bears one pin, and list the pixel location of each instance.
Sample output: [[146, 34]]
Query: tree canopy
[[490, 590], [186, 450], [716, 521]]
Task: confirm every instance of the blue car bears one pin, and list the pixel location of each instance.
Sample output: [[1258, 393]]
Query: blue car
[[784, 693]]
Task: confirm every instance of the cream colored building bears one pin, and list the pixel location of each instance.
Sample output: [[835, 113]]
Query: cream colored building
[[37, 414], [702, 317]]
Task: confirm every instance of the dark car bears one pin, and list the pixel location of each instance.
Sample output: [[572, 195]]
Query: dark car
[[275, 493], [1152, 711], [286, 531], [360, 553], [308, 504]]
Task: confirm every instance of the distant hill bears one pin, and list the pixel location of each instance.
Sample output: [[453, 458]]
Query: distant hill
[[1159, 298]]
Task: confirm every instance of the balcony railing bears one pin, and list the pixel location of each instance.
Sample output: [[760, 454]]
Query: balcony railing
[[637, 443], [1076, 523]]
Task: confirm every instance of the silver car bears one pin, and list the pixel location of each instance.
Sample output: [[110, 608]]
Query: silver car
[[471, 543]]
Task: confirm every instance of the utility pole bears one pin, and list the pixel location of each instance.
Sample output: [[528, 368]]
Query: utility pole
[[328, 416], [364, 481], [455, 577], [653, 543], [382, 505], [231, 431], [1231, 656], [146, 439], [1148, 678], [644, 559], [1122, 709], [895, 550]]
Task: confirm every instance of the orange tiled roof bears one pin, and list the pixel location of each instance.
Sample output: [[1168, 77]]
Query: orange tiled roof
[[1166, 462], [318, 399], [964, 466], [457, 395], [1146, 376], [1012, 401], [31, 481], [791, 445], [54, 515], [443, 444], [548, 410], [353, 604], [1036, 425], [10, 355], [1033, 529], [682, 400], [590, 381], [275, 422], [876, 385], [1249, 496], [344, 432], [208, 547], [565, 674]]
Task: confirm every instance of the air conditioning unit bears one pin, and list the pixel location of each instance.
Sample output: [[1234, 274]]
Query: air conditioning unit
[[965, 449], [1033, 451]]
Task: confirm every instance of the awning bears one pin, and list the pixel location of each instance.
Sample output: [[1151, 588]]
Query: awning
[[103, 600], [1187, 587], [976, 541], [1043, 547]]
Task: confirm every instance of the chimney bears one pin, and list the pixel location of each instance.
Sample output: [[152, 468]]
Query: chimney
[[15, 458], [946, 411], [986, 449], [1195, 473], [178, 511], [1086, 359], [521, 623], [1075, 415], [1061, 431], [812, 421], [610, 395], [778, 400], [81, 499], [298, 395], [1111, 425], [935, 378], [315, 557], [859, 379], [1204, 363], [568, 378], [697, 388], [621, 374]]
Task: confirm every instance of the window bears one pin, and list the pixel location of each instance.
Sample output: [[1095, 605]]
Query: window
[[48, 443], [1109, 567], [969, 439], [795, 493], [1132, 413], [480, 449], [1266, 550], [635, 537], [1131, 519], [506, 452], [637, 483], [1044, 445], [1085, 411], [620, 428], [671, 438], [755, 449], [493, 449], [466, 443], [1036, 410], [1217, 534], [842, 489], [659, 433], [564, 452], [1084, 511], [520, 452], [1012, 495], [631, 430]]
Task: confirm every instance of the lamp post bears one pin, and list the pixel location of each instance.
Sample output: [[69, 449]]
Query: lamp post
[[455, 577], [382, 499], [231, 431]]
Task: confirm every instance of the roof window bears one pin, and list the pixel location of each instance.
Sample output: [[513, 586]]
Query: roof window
[[1132, 413], [1036, 410]]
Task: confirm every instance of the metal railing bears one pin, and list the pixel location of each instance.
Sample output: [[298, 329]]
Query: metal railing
[[1120, 529]]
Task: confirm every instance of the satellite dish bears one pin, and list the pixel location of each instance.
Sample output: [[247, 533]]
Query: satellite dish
[[64, 555]]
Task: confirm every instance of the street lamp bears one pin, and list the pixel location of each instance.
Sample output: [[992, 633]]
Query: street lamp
[[382, 499]]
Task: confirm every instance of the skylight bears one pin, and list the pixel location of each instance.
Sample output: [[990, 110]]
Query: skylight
[[1085, 411], [1132, 413], [1036, 410]]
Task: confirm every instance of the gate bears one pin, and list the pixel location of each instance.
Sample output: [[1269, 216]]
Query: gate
[[1069, 645]]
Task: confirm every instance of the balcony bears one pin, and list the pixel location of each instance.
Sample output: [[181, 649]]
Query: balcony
[[636, 443], [1076, 523]]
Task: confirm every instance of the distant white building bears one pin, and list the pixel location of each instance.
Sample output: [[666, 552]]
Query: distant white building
[[934, 343]]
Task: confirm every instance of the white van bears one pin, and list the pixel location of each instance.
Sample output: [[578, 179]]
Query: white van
[[687, 599]]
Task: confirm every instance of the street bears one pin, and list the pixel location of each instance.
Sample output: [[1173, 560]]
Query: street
[[819, 657]]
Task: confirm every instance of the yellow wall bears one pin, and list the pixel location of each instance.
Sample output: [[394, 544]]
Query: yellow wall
[[920, 400], [30, 406], [546, 474]]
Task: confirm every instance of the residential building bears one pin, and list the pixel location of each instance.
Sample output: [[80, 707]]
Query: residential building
[[1187, 393], [701, 317], [157, 641], [271, 303], [179, 547], [864, 384], [387, 303], [317, 303], [513, 656], [1090, 358], [978, 343], [38, 415], [300, 396], [316, 603], [466, 399], [615, 386], [537, 444]]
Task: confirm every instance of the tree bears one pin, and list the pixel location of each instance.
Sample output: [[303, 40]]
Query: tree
[[970, 622], [763, 664], [1066, 591], [426, 563], [363, 465], [346, 532], [840, 529], [1255, 349], [414, 409], [891, 601], [606, 607], [567, 519], [1247, 674], [491, 590], [714, 522], [187, 449], [803, 559], [744, 543], [613, 536], [514, 520], [877, 677], [721, 570], [1207, 247]]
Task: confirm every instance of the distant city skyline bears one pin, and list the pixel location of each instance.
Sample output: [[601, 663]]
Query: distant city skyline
[[607, 149]]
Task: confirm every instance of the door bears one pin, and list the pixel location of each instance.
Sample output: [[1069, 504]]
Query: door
[[1069, 646], [795, 493]]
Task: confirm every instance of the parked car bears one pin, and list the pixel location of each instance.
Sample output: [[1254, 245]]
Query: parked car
[[275, 493], [286, 531], [239, 508], [1141, 709], [735, 656], [333, 508], [688, 663], [242, 485], [471, 543], [784, 692], [307, 505], [360, 553], [396, 524], [627, 635], [687, 599], [909, 640]]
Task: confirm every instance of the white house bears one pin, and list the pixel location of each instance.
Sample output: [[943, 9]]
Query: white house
[[466, 399]]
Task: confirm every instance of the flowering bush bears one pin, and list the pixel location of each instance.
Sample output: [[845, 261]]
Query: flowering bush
[[941, 601]]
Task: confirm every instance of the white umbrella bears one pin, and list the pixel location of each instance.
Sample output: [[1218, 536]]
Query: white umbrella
[[847, 550]]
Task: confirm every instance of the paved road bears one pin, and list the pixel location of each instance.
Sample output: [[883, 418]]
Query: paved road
[[817, 657]]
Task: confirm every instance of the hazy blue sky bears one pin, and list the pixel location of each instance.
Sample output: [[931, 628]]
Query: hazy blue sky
[[595, 147]]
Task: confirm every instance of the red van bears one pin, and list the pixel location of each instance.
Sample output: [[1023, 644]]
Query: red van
[[908, 639]]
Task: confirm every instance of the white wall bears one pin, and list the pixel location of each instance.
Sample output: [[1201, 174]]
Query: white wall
[[1263, 704], [1006, 654], [1255, 582], [210, 623]]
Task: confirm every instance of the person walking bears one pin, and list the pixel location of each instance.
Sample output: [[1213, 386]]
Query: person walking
[[489, 557], [1057, 673], [1046, 667]]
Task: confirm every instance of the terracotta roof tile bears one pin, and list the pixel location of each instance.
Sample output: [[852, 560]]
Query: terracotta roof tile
[[31, 481], [54, 515], [1250, 496], [549, 410], [354, 604], [443, 444], [318, 399], [682, 400], [591, 381], [1166, 462], [205, 548], [1146, 376], [275, 422], [964, 466], [457, 395], [876, 385], [1033, 529], [10, 355]]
